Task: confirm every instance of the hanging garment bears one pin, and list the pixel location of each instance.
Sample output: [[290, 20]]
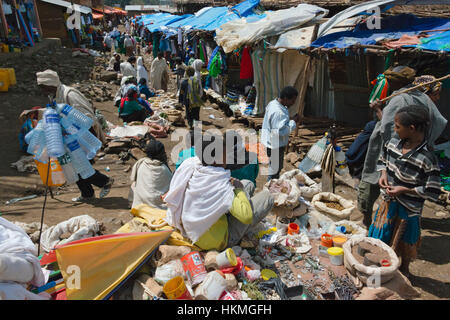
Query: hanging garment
[[246, 65]]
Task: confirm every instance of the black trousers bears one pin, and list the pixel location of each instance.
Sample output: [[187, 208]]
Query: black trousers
[[192, 114], [276, 162], [85, 185]]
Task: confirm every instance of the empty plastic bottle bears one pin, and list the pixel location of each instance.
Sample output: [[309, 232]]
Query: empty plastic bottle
[[36, 141], [69, 172], [53, 133], [89, 143], [79, 158], [74, 116], [57, 173]]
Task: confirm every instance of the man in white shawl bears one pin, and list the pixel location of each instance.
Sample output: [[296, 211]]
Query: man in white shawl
[[159, 73], [208, 206], [141, 71], [50, 84], [48, 81], [127, 69], [150, 177]]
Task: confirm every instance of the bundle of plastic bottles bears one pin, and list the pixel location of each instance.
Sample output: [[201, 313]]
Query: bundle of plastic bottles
[[63, 138]]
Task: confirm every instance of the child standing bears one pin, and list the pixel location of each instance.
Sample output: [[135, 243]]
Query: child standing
[[409, 176]]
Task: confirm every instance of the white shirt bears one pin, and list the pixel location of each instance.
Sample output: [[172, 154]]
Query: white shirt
[[127, 69], [128, 43], [276, 126]]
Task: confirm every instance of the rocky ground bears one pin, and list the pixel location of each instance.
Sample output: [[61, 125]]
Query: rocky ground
[[430, 272]]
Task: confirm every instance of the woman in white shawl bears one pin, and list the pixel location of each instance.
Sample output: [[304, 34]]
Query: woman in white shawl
[[141, 70], [198, 65], [151, 177], [159, 73]]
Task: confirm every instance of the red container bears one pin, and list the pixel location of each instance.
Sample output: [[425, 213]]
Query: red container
[[293, 228], [326, 240], [194, 267]]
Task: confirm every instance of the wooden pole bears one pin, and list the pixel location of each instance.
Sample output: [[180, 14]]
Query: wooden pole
[[36, 13], [414, 88], [4, 23]]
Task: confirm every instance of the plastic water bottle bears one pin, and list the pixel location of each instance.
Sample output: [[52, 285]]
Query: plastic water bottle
[[36, 142], [80, 161], [57, 173], [53, 133], [74, 116], [69, 172], [89, 143]]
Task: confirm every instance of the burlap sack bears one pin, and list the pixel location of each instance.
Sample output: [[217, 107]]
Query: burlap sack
[[167, 253], [364, 272], [308, 187], [334, 214], [358, 231]]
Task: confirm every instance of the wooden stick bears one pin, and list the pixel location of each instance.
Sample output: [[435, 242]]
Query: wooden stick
[[414, 88]]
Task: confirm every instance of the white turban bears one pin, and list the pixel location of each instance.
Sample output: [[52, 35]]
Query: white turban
[[48, 78]]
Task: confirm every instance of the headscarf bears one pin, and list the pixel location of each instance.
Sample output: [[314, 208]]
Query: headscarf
[[155, 150], [197, 65], [430, 88], [48, 78]]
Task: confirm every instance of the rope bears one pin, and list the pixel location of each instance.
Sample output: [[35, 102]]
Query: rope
[[43, 208]]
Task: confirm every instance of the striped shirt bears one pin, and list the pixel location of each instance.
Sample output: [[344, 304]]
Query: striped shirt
[[418, 169]]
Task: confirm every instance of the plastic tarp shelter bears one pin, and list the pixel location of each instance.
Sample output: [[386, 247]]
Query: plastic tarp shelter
[[160, 23], [393, 27], [362, 8], [105, 263]]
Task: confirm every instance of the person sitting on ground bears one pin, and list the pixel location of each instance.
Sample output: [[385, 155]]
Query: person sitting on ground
[[130, 109], [190, 97], [127, 69], [141, 70], [208, 206], [49, 83], [409, 176], [144, 90], [125, 83], [189, 150], [114, 63], [150, 177], [244, 165], [159, 73]]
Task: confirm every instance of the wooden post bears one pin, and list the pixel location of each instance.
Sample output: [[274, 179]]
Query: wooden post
[[36, 13], [4, 23]]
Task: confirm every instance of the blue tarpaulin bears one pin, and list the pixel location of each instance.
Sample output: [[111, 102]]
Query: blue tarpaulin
[[391, 28], [209, 18]]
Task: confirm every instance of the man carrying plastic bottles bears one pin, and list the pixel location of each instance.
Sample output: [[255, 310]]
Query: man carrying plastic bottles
[[49, 83]]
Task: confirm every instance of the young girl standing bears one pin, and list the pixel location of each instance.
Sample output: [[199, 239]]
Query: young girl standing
[[409, 176]]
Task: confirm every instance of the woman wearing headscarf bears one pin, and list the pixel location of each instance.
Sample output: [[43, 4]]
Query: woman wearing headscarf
[[190, 96], [130, 109], [198, 65], [141, 70], [159, 73], [150, 177]]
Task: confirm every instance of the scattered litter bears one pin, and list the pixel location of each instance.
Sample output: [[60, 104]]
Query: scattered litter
[[20, 199]]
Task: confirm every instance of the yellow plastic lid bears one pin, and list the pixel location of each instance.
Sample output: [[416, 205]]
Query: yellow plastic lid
[[267, 274], [335, 251], [231, 257]]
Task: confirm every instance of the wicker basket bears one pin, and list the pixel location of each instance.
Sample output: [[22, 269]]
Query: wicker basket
[[173, 115]]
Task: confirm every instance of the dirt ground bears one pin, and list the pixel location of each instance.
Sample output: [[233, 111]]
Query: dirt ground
[[430, 272]]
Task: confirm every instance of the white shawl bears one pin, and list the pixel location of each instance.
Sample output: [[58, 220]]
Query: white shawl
[[141, 71], [159, 67], [150, 180], [198, 197]]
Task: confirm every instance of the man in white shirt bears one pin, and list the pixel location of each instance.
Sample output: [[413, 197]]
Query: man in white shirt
[[276, 129]]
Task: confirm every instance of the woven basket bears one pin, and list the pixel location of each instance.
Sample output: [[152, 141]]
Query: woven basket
[[173, 115]]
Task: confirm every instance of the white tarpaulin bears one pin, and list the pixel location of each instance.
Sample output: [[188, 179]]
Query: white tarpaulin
[[370, 5], [128, 131], [236, 33]]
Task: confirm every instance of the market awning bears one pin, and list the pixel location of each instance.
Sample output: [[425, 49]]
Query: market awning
[[97, 16]]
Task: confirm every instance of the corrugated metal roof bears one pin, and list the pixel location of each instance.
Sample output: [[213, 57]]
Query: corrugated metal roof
[[82, 9]]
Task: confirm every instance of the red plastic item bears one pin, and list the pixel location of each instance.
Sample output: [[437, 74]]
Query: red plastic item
[[236, 269], [326, 240], [385, 263], [293, 228]]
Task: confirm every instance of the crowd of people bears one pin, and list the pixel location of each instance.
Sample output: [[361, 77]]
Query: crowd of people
[[210, 196]]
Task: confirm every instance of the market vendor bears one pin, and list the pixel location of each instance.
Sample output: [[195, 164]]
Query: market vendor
[[426, 96], [48, 81], [151, 176], [130, 109], [207, 205]]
